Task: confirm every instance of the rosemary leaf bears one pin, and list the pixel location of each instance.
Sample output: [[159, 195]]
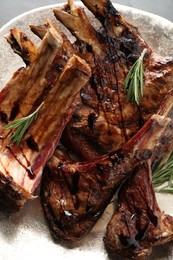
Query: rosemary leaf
[[141, 75], [134, 80], [21, 125], [162, 175]]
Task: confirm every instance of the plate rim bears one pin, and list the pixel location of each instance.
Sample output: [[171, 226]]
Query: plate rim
[[48, 7], [118, 6]]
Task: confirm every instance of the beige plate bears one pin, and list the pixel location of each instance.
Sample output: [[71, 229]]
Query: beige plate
[[25, 235]]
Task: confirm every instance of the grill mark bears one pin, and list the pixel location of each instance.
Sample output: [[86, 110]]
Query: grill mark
[[58, 65], [14, 111], [71, 189], [3, 117], [61, 191], [101, 98], [65, 183], [41, 125], [91, 120], [123, 129], [32, 144], [125, 36], [94, 86], [90, 141], [22, 97], [110, 42]]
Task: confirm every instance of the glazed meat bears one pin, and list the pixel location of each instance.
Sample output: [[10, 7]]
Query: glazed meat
[[99, 117], [74, 195], [104, 120], [99, 123], [138, 224], [21, 165]]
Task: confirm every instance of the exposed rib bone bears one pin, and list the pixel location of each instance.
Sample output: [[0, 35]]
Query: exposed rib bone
[[32, 82], [22, 45], [82, 190], [76, 21], [39, 30], [22, 165], [138, 224]]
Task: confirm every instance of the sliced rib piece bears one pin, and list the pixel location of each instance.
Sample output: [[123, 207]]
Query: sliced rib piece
[[21, 166], [138, 224], [22, 45], [74, 195]]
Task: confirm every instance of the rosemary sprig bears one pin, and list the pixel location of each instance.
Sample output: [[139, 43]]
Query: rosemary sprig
[[163, 175], [134, 80], [21, 125]]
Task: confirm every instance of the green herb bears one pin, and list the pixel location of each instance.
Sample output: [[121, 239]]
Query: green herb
[[134, 80], [163, 175], [21, 125]]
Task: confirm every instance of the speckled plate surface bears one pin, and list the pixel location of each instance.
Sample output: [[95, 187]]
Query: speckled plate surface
[[25, 235]]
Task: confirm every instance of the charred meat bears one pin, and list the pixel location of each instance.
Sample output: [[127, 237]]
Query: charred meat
[[138, 224], [104, 120], [74, 195], [21, 165]]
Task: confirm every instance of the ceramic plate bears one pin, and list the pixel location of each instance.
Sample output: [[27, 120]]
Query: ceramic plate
[[25, 235]]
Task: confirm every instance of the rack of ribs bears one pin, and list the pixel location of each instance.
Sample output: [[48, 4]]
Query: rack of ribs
[[21, 165]]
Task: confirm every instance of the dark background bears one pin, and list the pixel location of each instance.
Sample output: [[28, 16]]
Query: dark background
[[11, 8]]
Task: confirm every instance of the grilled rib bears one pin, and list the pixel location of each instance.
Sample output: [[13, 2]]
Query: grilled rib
[[106, 113], [157, 86], [159, 70], [131, 231], [111, 121], [138, 224], [74, 195], [21, 166], [26, 94], [158, 80]]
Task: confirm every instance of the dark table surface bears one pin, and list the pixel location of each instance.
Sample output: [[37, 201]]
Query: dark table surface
[[11, 8]]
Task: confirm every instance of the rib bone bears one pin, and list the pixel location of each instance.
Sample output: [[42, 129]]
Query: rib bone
[[21, 166], [74, 195]]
